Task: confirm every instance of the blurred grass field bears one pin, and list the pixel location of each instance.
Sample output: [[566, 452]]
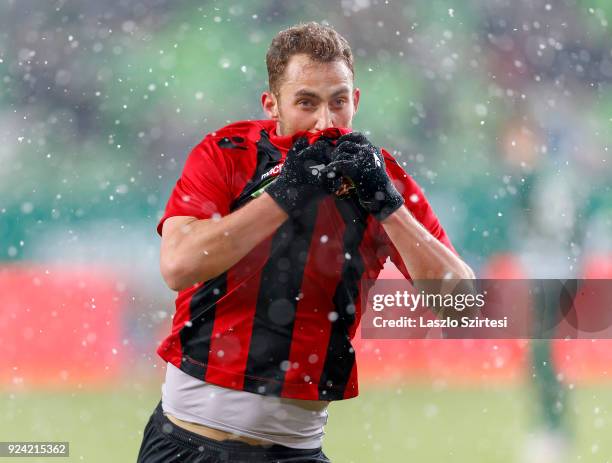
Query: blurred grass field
[[401, 424]]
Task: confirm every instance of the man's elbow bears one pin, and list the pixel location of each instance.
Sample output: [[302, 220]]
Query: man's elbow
[[179, 277], [169, 273], [175, 276]]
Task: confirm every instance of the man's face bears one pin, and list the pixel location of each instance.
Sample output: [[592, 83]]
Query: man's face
[[312, 96]]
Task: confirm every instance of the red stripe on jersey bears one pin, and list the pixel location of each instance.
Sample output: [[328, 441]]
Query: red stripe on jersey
[[229, 346], [325, 257], [170, 349]]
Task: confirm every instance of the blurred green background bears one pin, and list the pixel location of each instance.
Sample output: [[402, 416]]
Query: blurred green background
[[501, 110], [407, 423]]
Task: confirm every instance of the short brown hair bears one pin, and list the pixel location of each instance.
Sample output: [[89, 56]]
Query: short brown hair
[[320, 43]]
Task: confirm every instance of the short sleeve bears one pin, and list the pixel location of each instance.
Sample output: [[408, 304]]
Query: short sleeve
[[203, 188], [417, 204]]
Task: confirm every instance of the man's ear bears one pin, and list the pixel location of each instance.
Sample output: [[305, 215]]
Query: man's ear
[[269, 105], [356, 95]]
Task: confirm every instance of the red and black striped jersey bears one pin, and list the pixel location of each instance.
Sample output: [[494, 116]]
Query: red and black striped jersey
[[280, 321]]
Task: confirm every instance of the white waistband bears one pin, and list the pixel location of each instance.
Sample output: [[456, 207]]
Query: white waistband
[[268, 418]]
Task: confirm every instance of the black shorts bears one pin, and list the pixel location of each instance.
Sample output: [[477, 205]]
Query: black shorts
[[165, 442]]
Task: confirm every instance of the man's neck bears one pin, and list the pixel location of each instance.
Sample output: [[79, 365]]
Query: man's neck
[[279, 129]]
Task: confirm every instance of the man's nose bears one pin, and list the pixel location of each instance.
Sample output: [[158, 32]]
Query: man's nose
[[324, 119]]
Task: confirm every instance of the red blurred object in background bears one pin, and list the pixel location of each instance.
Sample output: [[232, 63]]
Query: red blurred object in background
[[59, 326], [586, 360]]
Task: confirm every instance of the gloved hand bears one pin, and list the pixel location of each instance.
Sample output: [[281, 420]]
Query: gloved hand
[[299, 181], [357, 159]]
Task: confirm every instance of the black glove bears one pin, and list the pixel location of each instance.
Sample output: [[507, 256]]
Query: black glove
[[357, 159], [300, 179]]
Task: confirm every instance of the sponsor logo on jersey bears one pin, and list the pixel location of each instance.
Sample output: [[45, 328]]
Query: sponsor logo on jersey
[[274, 171]]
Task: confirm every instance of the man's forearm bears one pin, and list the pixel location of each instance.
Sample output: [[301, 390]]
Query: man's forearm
[[203, 249], [424, 256]]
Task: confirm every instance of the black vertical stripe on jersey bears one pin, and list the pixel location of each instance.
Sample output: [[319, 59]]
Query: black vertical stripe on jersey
[[340, 356], [195, 339], [268, 156], [277, 301]]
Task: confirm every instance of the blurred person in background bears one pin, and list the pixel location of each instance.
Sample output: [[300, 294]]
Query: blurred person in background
[[550, 240], [554, 164], [547, 223], [268, 248]]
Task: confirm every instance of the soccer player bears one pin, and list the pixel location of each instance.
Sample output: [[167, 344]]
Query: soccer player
[[267, 237]]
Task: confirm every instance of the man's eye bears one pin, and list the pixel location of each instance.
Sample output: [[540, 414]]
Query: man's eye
[[340, 102], [305, 103]]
